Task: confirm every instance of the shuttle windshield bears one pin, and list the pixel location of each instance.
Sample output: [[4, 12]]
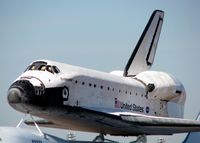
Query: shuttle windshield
[[42, 66]]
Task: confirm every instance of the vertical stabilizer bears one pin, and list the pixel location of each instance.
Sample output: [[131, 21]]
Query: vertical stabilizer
[[143, 55]]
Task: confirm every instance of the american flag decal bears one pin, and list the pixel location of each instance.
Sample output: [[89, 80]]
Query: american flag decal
[[117, 103]]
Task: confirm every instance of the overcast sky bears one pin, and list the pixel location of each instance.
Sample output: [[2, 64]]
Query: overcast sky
[[100, 35]]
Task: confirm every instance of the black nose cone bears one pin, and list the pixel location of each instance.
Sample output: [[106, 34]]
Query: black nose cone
[[14, 95], [20, 91]]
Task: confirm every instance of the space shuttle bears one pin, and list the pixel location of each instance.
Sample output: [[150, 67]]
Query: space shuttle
[[132, 102]]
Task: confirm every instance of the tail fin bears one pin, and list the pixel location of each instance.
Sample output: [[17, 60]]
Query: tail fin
[[143, 55], [193, 137]]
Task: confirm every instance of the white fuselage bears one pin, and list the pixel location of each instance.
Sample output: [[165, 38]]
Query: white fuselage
[[111, 91]]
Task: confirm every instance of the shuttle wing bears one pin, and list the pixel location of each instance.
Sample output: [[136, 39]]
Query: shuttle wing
[[161, 125], [153, 125], [143, 55], [127, 123]]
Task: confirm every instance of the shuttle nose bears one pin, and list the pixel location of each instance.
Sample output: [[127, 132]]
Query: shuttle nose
[[14, 95], [20, 92]]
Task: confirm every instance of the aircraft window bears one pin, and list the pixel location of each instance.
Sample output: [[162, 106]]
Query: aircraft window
[[90, 84], [32, 67], [49, 69], [101, 86], [55, 69], [37, 66], [42, 68], [95, 85]]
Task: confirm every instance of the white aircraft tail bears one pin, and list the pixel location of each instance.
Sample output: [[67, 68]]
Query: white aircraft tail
[[143, 55], [193, 137]]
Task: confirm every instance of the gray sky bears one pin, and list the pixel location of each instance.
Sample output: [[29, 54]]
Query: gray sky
[[99, 35]]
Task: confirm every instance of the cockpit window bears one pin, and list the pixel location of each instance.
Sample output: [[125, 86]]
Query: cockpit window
[[42, 66], [56, 70], [32, 67], [49, 68]]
